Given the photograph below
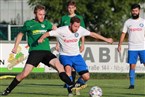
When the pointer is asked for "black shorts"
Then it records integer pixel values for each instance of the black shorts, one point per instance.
(35, 57)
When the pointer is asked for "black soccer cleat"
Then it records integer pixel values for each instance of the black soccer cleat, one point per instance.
(6, 92)
(131, 87)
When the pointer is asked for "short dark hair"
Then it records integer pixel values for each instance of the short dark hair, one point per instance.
(75, 19)
(38, 7)
(133, 6)
(71, 2)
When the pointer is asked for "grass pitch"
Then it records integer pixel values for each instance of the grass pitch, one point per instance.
(54, 88)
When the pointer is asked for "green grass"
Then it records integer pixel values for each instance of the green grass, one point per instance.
(54, 88)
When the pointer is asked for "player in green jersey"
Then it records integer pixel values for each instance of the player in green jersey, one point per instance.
(34, 29)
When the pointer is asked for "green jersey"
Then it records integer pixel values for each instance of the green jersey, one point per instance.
(34, 30)
(65, 20)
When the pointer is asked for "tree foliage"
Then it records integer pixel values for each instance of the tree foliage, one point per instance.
(105, 17)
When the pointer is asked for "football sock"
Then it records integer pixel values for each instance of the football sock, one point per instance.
(13, 84)
(74, 75)
(132, 76)
(65, 78)
(81, 81)
(70, 79)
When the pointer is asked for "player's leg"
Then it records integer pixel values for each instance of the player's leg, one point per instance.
(73, 74)
(26, 71)
(67, 63)
(142, 56)
(81, 67)
(51, 60)
(132, 59)
(33, 60)
(81, 82)
(68, 70)
(59, 67)
(132, 76)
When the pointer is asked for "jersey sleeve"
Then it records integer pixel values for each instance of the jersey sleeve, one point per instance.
(25, 27)
(84, 32)
(125, 28)
(54, 33)
(49, 26)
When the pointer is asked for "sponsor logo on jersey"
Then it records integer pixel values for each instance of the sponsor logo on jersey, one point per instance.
(35, 32)
(70, 40)
(135, 29)
(76, 34)
(42, 25)
(141, 24)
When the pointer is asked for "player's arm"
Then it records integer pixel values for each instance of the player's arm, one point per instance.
(97, 36)
(40, 40)
(82, 45)
(57, 47)
(17, 42)
(121, 41)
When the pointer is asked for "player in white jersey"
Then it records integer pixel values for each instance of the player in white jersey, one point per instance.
(68, 37)
(135, 27)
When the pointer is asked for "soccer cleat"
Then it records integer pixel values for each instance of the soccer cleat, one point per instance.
(131, 87)
(77, 92)
(70, 95)
(69, 88)
(6, 92)
(79, 87)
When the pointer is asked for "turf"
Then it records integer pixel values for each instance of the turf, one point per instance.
(54, 88)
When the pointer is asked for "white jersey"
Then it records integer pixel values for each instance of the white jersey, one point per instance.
(69, 41)
(136, 33)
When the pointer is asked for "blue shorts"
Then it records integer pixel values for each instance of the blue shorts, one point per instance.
(133, 56)
(77, 62)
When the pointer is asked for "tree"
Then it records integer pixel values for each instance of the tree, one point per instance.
(105, 17)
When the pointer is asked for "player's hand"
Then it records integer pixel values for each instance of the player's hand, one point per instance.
(119, 48)
(40, 40)
(14, 50)
(110, 40)
(54, 27)
(82, 47)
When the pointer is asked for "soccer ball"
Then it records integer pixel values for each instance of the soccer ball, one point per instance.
(95, 91)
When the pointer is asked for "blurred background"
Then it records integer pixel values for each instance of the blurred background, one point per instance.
(105, 17)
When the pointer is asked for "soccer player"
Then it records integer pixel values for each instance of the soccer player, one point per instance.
(65, 20)
(68, 37)
(135, 27)
(34, 29)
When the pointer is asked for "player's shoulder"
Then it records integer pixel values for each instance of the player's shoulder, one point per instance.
(29, 22)
(79, 16)
(63, 27)
(142, 19)
(64, 16)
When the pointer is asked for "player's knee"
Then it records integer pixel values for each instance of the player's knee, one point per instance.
(86, 77)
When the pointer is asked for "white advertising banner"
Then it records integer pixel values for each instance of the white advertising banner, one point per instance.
(10, 62)
(100, 57)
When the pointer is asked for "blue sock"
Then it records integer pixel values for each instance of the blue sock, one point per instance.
(71, 78)
(132, 76)
(81, 81)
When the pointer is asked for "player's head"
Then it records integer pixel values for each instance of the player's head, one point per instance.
(39, 12)
(71, 7)
(135, 11)
(74, 24)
